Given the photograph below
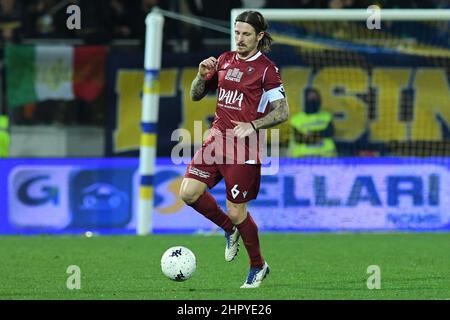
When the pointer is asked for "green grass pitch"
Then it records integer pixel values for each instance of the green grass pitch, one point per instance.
(303, 266)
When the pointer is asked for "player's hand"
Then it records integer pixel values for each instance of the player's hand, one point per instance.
(207, 66)
(242, 129)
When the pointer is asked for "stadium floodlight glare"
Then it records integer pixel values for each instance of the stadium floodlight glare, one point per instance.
(343, 15)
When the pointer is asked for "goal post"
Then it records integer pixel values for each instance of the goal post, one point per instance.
(149, 119)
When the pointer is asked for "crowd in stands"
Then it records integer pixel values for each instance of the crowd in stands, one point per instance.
(104, 20)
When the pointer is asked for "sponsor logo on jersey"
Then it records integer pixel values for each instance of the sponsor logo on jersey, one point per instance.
(250, 70)
(231, 97)
(199, 173)
(234, 75)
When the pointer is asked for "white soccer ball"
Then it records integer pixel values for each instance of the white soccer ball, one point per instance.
(178, 263)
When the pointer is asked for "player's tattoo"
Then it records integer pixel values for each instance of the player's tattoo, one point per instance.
(198, 88)
(279, 112)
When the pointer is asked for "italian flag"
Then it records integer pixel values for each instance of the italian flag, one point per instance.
(37, 73)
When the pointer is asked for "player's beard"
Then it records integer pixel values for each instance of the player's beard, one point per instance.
(244, 51)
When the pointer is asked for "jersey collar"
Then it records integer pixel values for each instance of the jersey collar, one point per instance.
(252, 58)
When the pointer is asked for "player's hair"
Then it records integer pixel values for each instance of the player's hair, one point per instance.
(257, 21)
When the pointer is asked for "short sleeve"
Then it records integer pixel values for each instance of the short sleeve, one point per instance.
(211, 82)
(212, 78)
(271, 78)
(272, 84)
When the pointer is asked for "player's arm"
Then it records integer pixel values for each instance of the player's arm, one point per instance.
(279, 113)
(198, 86)
(278, 106)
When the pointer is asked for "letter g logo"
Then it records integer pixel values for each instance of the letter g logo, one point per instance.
(46, 194)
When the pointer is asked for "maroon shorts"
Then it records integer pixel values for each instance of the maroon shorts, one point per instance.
(242, 181)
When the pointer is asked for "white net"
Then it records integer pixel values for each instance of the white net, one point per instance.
(387, 89)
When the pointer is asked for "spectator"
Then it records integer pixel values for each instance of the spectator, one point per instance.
(123, 14)
(96, 22)
(441, 4)
(298, 4)
(407, 4)
(253, 4)
(10, 20)
(214, 10)
(218, 10)
(39, 22)
(144, 8)
(345, 4)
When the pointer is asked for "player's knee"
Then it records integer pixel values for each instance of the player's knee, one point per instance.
(236, 212)
(189, 196)
(233, 215)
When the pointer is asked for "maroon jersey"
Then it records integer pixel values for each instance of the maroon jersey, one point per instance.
(244, 90)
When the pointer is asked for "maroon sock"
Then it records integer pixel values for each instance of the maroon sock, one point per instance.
(207, 206)
(249, 233)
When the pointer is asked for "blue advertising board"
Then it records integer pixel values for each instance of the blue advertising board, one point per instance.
(347, 194)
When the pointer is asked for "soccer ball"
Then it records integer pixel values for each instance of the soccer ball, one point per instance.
(178, 263)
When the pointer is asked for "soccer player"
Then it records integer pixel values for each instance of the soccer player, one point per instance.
(250, 97)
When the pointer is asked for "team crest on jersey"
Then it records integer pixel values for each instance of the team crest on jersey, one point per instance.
(234, 75)
(250, 70)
